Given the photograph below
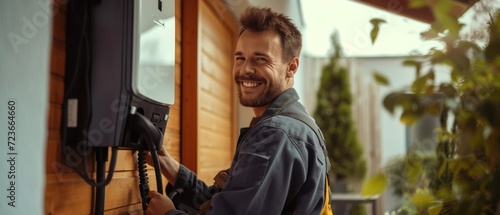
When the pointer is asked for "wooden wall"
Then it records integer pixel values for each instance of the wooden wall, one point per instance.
(209, 125)
(202, 125)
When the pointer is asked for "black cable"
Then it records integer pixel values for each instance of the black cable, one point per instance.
(156, 161)
(112, 165)
(152, 135)
(101, 158)
(143, 179)
(93, 183)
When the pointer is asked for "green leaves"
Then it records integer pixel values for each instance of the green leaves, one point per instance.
(399, 99)
(448, 90)
(414, 63)
(465, 175)
(429, 34)
(380, 79)
(374, 185)
(414, 105)
(423, 82)
(435, 209)
(408, 117)
(376, 27)
(441, 11)
(422, 199)
(416, 3)
(391, 101)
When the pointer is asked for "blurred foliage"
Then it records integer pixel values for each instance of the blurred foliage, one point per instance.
(376, 28)
(357, 209)
(409, 173)
(333, 115)
(380, 79)
(374, 185)
(412, 178)
(462, 177)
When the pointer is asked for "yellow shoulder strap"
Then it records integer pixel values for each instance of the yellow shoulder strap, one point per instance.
(327, 207)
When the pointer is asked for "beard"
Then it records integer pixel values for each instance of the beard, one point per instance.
(265, 98)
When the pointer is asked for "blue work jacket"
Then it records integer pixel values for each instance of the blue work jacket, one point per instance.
(279, 167)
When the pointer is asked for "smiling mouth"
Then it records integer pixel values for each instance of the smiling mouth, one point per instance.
(250, 84)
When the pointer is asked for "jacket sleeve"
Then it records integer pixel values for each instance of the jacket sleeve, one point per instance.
(190, 193)
(267, 171)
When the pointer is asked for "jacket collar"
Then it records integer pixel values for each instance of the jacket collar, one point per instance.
(284, 100)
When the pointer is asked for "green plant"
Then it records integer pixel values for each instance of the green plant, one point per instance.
(412, 178)
(468, 151)
(333, 116)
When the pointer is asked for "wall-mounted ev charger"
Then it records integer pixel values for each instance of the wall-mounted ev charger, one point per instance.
(119, 83)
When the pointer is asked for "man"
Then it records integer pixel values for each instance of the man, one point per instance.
(279, 166)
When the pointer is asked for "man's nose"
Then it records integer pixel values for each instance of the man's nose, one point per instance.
(247, 68)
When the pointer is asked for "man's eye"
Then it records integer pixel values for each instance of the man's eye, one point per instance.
(261, 59)
(240, 58)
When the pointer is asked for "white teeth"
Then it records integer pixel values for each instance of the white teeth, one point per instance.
(249, 84)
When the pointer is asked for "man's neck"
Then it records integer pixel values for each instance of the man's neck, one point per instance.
(254, 121)
(258, 111)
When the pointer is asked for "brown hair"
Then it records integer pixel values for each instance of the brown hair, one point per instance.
(262, 19)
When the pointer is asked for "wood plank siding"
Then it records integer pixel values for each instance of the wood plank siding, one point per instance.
(209, 126)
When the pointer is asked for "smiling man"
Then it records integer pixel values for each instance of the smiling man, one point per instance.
(280, 163)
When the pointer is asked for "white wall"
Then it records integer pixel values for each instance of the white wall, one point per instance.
(25, 35)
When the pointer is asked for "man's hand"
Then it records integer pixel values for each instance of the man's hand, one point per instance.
(220, 178)
(159, 204)
(162, 156)
(169, 167)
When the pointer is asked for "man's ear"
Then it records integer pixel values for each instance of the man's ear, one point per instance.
(293, 65)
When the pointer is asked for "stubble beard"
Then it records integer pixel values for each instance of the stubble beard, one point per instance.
(263, 99)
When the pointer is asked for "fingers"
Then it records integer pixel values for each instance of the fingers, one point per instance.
(149, 158)
(153, 193)
(220, 179)
(162, 150)
(162, 155)
(220, 176)
(159, 204)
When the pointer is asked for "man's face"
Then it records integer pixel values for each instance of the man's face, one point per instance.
(259, 71)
